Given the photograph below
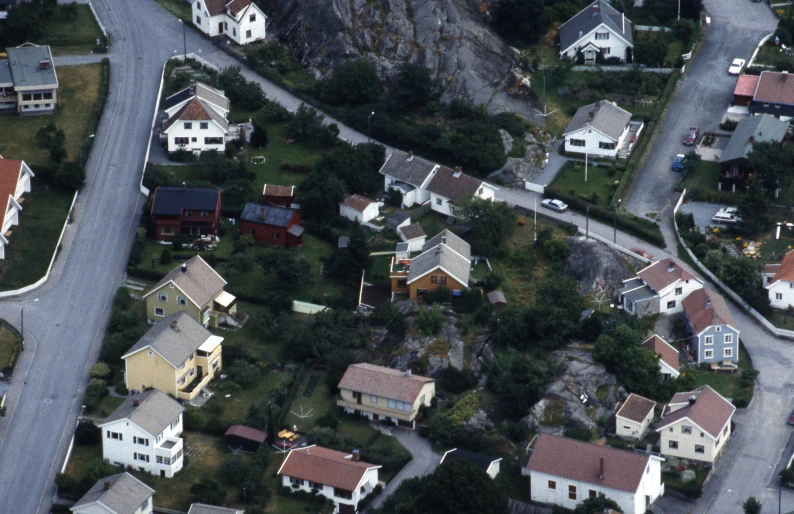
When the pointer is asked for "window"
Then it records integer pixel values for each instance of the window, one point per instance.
(215, 364)
(725, 430)
(198, 20)
(576, 142)
(778, 296)
(213, 140)
(47, 96)
(592, 493)
(188, 125)
(248, 34)
(225, 26)
(402, 283)
(175, 423)
(727, 352)
(251, 231)
(181, 300)
(717, 329)
(145, 505)
(708, 340)
(671, 305)
(708, 354)
(572, 492)
(699, 448)
(373, 398)
(166, 231)
(150, 353)
(438, 201)
(673, 445)
(162, 297)
(606, 50)
(115, 435)
(276, 236)
(679, 290)
(204, 125)
(252, 18)
(606, 146)
(159, 312)
(27, 97)
(552, 485)
(602, 36)
(626, 427)
(422, 400)
(140, 456)
(234, 31)
(316, 485)
(188, 213)
(295, 481)
(140, 440)
(193, 139)
(686, 429)
(438, 279)
(205, 214)
(341, 493)
(163, 460)
(728, 338)
(171, 285)
(181, 141)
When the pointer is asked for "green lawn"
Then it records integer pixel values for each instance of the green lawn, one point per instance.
(599, 185)
(378, 273)
(432, 223)
(178, 8)
(705, 176)
(235, 407)
(106, 407)
(71, 36)
(9, 344)
(367, 437)
(305, 410)
(81, 456)
(769, 54)
(32, 243)
(727, 384)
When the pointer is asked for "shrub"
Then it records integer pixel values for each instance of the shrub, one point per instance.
(233, 470)
(121, 389)
(729, 124)
(429, 321)
(87, 433)
(693, 489)
(99, 370)
(166, 257)
(580, 433)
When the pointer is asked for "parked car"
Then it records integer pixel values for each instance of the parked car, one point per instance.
(724, 218)
(555, 205)
(736, 67)
(691, 136)
(643, 252)
(678, 162)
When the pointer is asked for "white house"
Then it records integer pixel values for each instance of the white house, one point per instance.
(14, 183)
(116, 494)
(566, 472)
(214, 98)
(143, 432)
(448, 186)
(408, 175)
(634, 417)
(359, 208)
(240, 20)
(28, 80)
(203, 508)
(696, 425)
(659, 288)
(414, 235)
(196, 127)
(778, 280)
(598, 29)
(598, 130)
(485, 462)
(341, 477)
(668, 356)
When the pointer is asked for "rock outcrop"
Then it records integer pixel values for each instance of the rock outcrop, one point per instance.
(599, 269)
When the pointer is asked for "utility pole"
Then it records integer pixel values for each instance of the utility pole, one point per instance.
(369, 120)
(615, 222)
(586, 130)
(23, 327)
(535, 224)
(679, 9)
(587, 223)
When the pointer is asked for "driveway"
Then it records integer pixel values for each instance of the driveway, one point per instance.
(702, 97)
(703, 212)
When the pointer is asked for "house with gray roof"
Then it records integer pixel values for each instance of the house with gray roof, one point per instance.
(598, 130)
(599, 31)
(33, 84)
(735, 158)
(408, 174)
(215, 98)
(272, 224)
(116, 494)
(143, 433)
(203, 508)
(177, 356)
(445, 262)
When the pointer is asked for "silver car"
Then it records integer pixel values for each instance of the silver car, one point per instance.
(555, 205)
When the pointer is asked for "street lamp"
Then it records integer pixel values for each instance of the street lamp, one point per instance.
(184, 38)
(369, 124)
(91, 136)
(679, 9)
(22, 331)
(615, 222)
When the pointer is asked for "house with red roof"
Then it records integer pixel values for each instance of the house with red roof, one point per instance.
(242, 21)
(745, 90)
(696, 425)
(565, 472)
(715, 335)
(778, 280)
(634, 417)
(359, 208)
(385, 394)
(774, 95)
(339, 476)
(196, 127)
(14, 183)
(668, 356)
(658, 289)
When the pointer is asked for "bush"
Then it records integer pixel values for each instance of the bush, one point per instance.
(166, 257)
(121, 389)
(693, 489)
(729, 124)
(99, 370)
(87, 433)
(233, 470)
(430, 321)
(580, 433)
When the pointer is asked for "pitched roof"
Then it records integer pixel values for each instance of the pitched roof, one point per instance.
(497, 297)
(171, 201)
(357, 202)
(589, 18)
(276, 190)
(704, 308)
(761, 128)
(636, 408)
(196, 110)
(245, 432)
(668, 354)
(397, 218)
(175, 338)
(745, 85)
(235, 6)
(384, 382)
(608, 118)
(10, 170)
(480, 460)
(215, 7)
(710, 411)
(580, 461)
(5, 73)
(444, 257)
(771, 268)
(203, 508)
(155, 412)
(196, 279)
(785, 271)
(407, 168)
(450, 239)
(267, 215)
(413, 231)
(663, 273)
(124, 494)
(775, 87)
(453, 184)
(325, 466)
(26, 70)
(201, 91)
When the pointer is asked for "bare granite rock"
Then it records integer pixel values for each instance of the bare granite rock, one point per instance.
(599, 269)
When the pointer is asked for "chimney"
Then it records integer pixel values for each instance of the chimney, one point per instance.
(752, 139)
(595, 9)
(136, 402)
(410, 156)
(356, 456)
(692, 400)
(601, 468)
(262, 213)
(671, 265)
(184, 186)
(708, 303)
(444, 240)
(591, 115)
(44, 64)
(438, 249)
(107, 485)
(184, 267)
(580, 34)
(175, 326)
(407, 372)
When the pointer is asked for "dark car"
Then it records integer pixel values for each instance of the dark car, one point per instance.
(678, 162)
(691, 136)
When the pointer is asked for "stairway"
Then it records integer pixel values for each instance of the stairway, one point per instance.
(136, 288)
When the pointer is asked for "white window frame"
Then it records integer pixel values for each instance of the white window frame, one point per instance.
(778, 296)
(708, 340)
(163, 297)
(728, 339)
(373, 398)
(161, 312)
(181, 300)
(727, 352)
(708, 354)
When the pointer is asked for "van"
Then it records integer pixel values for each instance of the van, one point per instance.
(724, 217)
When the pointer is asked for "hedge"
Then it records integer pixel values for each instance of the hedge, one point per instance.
(146, 274)
(293, 390)
(569, 227)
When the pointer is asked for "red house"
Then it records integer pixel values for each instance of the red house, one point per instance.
(271, 224)
(280, 196)
(190, 212)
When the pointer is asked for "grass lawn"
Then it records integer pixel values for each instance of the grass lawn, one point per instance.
(599, 184)
(71, 36)
(378, 273)
(769, 54)
(314, 406)
(178, 8)
(8, 346)
(33, 241)
(78, 93)
(235, 407)
(81, 456)
(432, 223)
(106, 407)
(705, 176)
(727, 384)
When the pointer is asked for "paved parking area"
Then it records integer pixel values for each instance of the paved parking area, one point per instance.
(712, 153)
(703, 212)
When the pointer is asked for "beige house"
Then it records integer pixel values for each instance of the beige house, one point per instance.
(194, 288)
(380, 393)
(696, 425)
(634, 417)
(177, 356)
(116, 494)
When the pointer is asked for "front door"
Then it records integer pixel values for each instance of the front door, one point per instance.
(162, 473)
(220, 28)
(200, 372)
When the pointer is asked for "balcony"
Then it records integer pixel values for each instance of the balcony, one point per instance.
(379, 410)
(170, 448)
(192, 389)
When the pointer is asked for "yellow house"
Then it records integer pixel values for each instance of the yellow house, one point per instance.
(177, 356)
(386, 394)
(194, 288)
(445, 261)
(634, 417)
(696, 425)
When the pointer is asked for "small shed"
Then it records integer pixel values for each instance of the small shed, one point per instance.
(414, 235)
(359, 208)
(241, 437)
(398, 220)
(343, 242)
(402, 251)
(497, 299)
(281, 196)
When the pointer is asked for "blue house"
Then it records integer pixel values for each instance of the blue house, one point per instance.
(715, 338)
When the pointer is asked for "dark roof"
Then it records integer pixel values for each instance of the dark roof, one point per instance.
(267, 215)
(155, 411)
(175, 338)
(343, 242)
(591, 17)
(761, 128)
(407, 168)
(412, 231)
(178, 97)
(124, 494)
(171, 201)
(480, 460)
(374, 296)
(199, 90)
(397, 218)
(775, 87)
(249, 433)
(25, 62)
(453, 184)
(607, 118)
(5, 72)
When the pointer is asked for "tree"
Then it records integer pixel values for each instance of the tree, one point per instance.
(596, 505)
(248, 95)
(320, 195)
(520, 21)
(307, 126)
(771, 162)
(751, 506)
(233, 470)
(236, 193)
(415, 85)
(99, 370)
(259, 137)
(70, 176)
(242, 372)
(289, 267)
(347, 263)
(650, 49)
(208, 490)
(27, 21)
(491, 223)
(555, 320)
(430, 321)
(353, 82)
(754, 207)
(87, 433)
(517, 381)
(357, 166)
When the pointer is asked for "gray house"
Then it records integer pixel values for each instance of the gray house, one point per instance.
(735, 159)
(715, 336)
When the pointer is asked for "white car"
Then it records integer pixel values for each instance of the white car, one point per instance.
(736, 67)
(555, 205)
